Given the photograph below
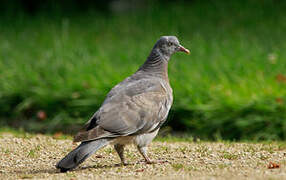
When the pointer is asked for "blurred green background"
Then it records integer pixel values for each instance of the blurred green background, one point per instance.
(58, 59)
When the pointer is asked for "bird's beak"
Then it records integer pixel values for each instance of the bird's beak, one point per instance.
(181, 48)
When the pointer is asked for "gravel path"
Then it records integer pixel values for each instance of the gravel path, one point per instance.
(34, 156)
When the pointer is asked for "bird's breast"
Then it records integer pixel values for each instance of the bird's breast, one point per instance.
(168, 91)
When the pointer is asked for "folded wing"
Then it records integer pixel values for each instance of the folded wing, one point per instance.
(130, 108)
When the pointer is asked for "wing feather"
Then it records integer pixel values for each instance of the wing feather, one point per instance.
(130, 108)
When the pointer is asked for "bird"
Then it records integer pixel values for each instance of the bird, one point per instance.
(132, 112)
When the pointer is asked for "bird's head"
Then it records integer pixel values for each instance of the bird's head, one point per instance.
(168, 45)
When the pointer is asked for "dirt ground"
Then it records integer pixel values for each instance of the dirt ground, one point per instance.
(34, 157)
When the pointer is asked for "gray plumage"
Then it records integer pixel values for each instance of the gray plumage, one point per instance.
(133, 110)
(79, 154)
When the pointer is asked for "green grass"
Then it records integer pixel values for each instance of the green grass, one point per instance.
(231, 87)
(34, 152)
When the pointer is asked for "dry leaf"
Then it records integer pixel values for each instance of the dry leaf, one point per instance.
(279, 100)
(273, 165)
(57, 135)
(281, 78)
(139, 170)
(41, 115)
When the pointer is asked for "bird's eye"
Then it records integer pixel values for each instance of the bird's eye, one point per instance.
(170, 44)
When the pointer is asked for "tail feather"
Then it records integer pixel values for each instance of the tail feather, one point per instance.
(81, 153)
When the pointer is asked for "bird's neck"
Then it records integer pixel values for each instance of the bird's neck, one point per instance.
(156, 65)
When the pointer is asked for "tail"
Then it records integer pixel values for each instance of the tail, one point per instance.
(81, 153)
